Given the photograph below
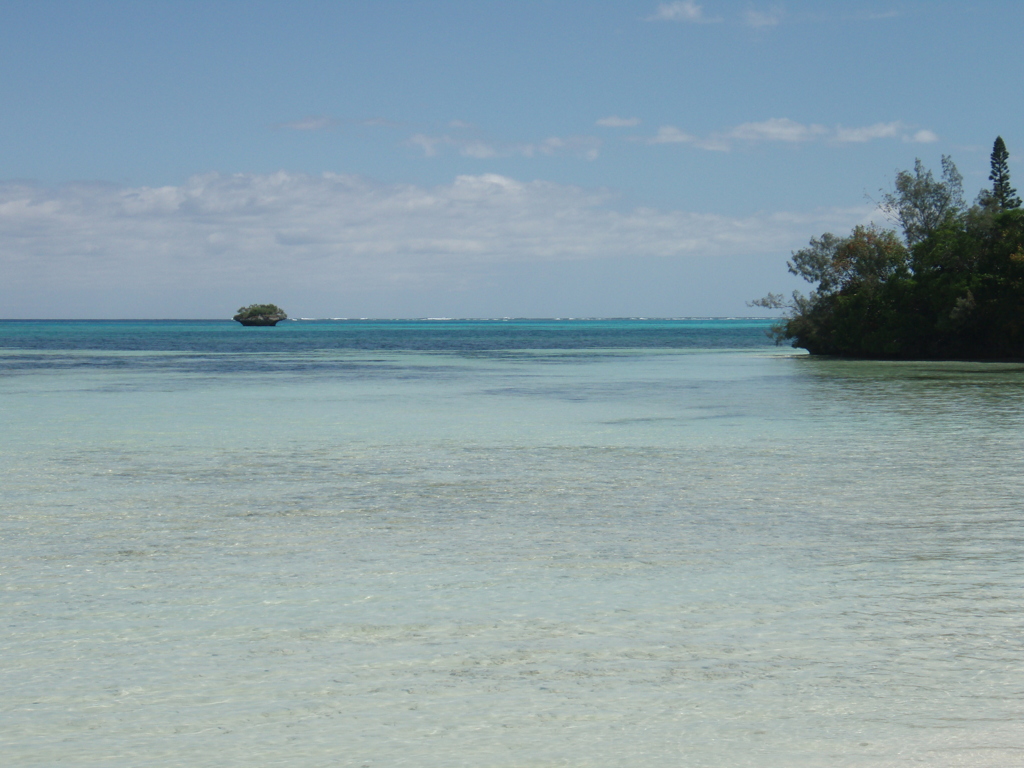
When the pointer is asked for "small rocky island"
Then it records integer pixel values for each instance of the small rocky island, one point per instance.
(260, 314)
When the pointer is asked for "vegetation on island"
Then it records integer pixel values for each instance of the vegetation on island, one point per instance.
(260, 314)
(951, 286)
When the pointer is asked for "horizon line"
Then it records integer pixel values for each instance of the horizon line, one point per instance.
(379, 319)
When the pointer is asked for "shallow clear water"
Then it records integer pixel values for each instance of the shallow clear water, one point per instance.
(580, 543)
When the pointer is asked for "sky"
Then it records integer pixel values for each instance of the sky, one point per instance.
(449, 158)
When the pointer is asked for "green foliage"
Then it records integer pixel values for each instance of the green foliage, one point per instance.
(865, 259)
(1002, 196)
(920, 203)
(953, 289)
(259, 310)
(860, 265)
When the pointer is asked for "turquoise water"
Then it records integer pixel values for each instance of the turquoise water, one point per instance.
(504, 543)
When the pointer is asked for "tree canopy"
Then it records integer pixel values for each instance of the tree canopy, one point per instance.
(951, 286)
(257, 310)
(920, 203)
(260, 314)
(1002, 196)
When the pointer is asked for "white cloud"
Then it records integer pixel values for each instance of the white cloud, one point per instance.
(681, 10)
(297, 235)
(690, 11)
(428, 144)
(587, 147)
(714, 143)
(614, 121)
(770, 18)
(669, 134)
(777, 129)
(896, 129)
(311, 123)
(868, 133)
(478, 149)
(782, 129)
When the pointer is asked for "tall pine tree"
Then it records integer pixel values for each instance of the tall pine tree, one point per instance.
(1003, 195)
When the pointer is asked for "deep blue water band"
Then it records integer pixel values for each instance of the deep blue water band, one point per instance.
(220, 336)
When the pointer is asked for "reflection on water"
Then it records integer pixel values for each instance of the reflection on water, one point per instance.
(653, 557)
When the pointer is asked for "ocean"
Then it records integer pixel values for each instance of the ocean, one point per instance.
(503, 543)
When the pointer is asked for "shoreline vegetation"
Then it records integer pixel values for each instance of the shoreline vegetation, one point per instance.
(949, 286)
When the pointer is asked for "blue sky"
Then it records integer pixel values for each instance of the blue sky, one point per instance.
(407, 159)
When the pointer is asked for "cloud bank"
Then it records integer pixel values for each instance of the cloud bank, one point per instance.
(219, 240)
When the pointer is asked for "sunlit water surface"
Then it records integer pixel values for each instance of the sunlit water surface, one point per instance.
(503, 544)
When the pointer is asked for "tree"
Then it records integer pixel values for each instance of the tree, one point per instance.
(920, 204)
(866, 258)
(840, 268)
(1002, 196)
(952, 288)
